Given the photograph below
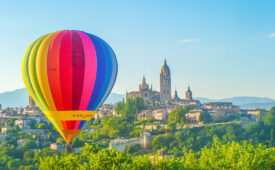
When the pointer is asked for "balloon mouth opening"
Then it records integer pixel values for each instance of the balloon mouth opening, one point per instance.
(69, 134)
(60, 119)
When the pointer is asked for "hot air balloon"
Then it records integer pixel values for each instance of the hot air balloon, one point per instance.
(69, 74)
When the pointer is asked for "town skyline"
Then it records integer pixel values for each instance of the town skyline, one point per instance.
(221, 49)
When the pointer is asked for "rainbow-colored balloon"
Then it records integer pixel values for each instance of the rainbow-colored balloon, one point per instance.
(69, 74)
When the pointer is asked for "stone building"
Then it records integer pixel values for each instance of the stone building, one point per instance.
(146, 139)
(160, 114)
(5, 129)
(165, 83)
(57, 146)
(104, 110)
(193, 116)
(31, 109)
(222, 105)
(121, 144)
(23, 123)
(148, 94)
(188, 101)
(146, 114)
(32, 104)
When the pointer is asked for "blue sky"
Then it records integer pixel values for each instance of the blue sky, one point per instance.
(221, 48)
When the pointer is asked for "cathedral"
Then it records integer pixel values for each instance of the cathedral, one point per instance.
(148, 94)
(151, 96)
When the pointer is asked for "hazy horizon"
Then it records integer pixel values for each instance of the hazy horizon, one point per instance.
(221, 49)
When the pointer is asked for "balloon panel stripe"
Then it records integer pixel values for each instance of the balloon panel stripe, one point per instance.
(26, 77)
(77, 123)
(90, 70)
(78, 70)
(100, 75)
(65, 65)
(53, 70)
(113, 76)
(33, 74)
(82, 124)
(108, 72)
(41, 70)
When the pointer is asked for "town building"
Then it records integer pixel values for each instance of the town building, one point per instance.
(5, 129)
(255, 114)
(188, 101)
(160, 114)
(104, 110)
(218, 115)
(121, 144)
(57, 146)
(31, 109)
(23, 123)
(222, 105)
(3, 137)
(146, 139)
(21, 142)
(193, 116)
(146, 114)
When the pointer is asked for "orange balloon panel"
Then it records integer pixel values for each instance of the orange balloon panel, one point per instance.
(69, 74)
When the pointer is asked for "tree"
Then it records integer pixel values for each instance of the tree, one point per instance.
(77, 143)
(131, 108)
(205, 117)
(232, 155)
(172, 126)
(16, 127)
(42, 126)
(30, 145)
(14, 163)
(28, 157)
(270, 118)
(178, 116)
(60, 140)
(119, 107)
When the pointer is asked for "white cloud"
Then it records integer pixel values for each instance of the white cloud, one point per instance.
(189, 40)
(272, 35)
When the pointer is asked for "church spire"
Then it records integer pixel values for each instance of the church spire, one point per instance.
(176, 95)
(143, 80)
(188, 94)
(188, 89)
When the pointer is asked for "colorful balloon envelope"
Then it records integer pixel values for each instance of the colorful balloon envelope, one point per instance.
(69, 74)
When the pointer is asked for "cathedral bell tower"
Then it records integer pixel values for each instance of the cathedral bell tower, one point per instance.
(31, 103)
(165, 83)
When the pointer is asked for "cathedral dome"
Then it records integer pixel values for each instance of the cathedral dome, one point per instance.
(165, 69)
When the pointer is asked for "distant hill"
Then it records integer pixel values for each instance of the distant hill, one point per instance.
(15, 98)
(19, 98)
(258, 105)
(114, 98)
(244, 102)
